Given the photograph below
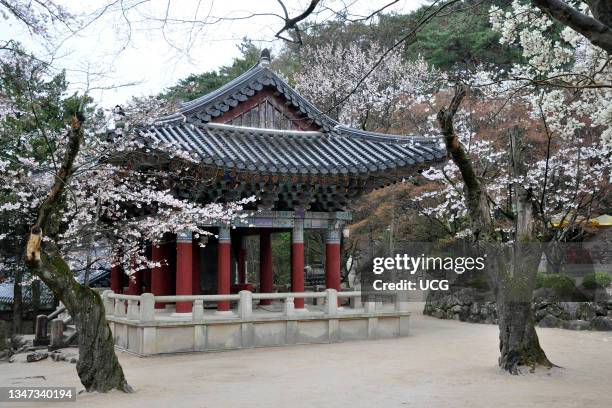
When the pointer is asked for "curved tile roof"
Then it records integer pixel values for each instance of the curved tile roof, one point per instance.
(340, 151)
(334, 149)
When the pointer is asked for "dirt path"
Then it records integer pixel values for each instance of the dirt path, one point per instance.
(442, 364)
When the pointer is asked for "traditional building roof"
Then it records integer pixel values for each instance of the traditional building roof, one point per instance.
(258, 123)
(256, 136)
(340, 151)
(258, 78)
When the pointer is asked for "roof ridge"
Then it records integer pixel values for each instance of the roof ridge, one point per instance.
(384, 136)
(248, 74)
(280, 132)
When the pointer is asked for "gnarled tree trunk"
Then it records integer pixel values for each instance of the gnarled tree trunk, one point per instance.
(513, 277)
(98, 367)
(518, 341)
(514, 272)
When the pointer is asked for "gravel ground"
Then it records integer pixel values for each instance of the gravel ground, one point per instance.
(441, 364)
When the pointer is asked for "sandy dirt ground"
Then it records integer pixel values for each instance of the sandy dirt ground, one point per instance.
(441, 364)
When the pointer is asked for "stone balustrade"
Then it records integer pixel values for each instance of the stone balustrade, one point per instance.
(141, 329)
(141, 308)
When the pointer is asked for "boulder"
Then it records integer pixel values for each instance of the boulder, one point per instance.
(558, 311)
(550, 321)
(450, 301)
(33, 357)
(465, 296)
(475, 309)
(456, 309)
(600, 309)
(602, 323)
(540, 313)
(576, 325)
(571, 310)
(587, 311)
(544, 295)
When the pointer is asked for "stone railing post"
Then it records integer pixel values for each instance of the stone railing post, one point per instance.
(369, 307)
(109, 307)
(401, 301)
(289, 307)
(245, 305)
(133, 311)
(119, 308)
(355, 302)
(40, 331)
(147, 307)
(197, 311)
(56, 333)
(331, 305)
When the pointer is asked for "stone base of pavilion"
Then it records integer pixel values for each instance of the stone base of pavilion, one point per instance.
(141, 329)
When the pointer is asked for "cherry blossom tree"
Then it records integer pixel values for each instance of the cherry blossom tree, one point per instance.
(565, 79)
(74, 185)
(565, 84)
(329, 74)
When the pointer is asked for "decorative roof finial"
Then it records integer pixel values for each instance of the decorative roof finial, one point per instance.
(264, 59)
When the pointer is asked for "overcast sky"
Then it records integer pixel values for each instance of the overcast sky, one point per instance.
(135, 46)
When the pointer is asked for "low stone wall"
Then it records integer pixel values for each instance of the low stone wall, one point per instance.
(469, 305)
(160, 337)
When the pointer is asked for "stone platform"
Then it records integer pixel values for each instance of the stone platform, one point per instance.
(141, 330)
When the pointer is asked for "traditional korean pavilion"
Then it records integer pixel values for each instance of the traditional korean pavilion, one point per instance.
(256, 136)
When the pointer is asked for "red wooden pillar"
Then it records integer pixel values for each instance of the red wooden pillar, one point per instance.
(266, 276)
(242, 261)
(224, 267)
(196, 288)
(332, 259)
(116, 272)
(161, 276)
(184, 269)
(297, 261)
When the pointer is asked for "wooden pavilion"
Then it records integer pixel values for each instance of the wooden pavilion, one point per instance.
(256, 136)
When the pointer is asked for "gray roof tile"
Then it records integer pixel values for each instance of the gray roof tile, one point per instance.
(293, 152)
(335, 149)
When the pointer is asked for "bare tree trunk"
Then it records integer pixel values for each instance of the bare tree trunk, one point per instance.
(475, 196)
(513, 278)
(98, 367)
(597, 29)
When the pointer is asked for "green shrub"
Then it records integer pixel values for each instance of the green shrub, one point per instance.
(563, 285)
(596, 280)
